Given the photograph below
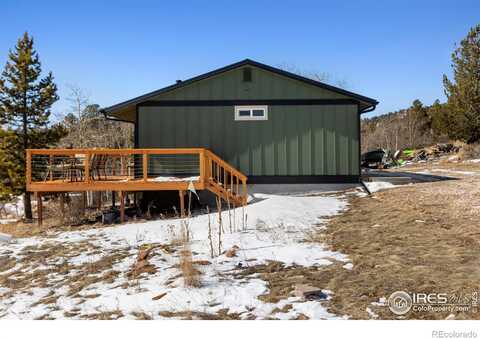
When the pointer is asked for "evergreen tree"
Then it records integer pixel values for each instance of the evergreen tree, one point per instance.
(441, 119)
(464, 92)
(10, 181)
(25, 107)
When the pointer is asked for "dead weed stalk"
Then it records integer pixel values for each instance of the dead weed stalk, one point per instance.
(191, 275)
(220, 226)
(210, 240)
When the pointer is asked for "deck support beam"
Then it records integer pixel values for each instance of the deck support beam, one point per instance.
(39, 209)
(62, 208)
(84, 203)
(181, 195)
(122, 206)
(98, 195)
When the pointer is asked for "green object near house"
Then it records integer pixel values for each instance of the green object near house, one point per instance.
(272, 125)
(407, 152)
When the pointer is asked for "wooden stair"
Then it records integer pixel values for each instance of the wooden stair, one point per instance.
(224, 180)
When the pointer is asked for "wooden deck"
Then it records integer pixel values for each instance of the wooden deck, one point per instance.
(130, 170)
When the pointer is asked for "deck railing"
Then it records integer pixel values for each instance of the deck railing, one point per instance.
(132, 169)
(226, 180)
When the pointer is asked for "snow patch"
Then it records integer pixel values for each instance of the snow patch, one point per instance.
(174, 178)
(460, 172)
(445, 172)
(371, 313)
(476, 160)
(377, 186)
(270, 228)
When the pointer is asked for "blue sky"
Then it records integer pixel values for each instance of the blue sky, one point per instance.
(393, 51)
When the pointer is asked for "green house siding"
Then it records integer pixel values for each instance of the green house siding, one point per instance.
(264, 85)
(311, 134)
(295, 140)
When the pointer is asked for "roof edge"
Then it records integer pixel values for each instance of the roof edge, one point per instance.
(232, 66)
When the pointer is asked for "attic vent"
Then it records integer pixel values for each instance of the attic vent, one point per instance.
(247, 74)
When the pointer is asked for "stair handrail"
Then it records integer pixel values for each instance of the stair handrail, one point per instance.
(226, 165)
(232, 170)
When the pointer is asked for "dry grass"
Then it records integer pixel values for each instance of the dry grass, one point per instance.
(222, 314)
(419, 238)
(142, 267)
(191, 275)
(442, 163)
(41, 266)
(469, 151)
(50, 227)
(21, 229)
(281, 280)
(140, 315)
(102, 315)
(181, 238)
(416, 238)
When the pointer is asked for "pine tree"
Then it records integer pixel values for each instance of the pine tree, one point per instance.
(464, 92)
(441, 119)
(10, 181)
(25, 107)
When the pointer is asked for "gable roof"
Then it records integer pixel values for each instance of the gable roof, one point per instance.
(370, 103)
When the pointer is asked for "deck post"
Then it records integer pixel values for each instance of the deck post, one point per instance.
(145, 166)
(181, 195)
(62, 207)
(50, 163)
(84, 202)
(28, 172)
(209, 169)
(122, 165)
(122, 206)
(244, 183)
(202, 166)
(87, 167)
(39, 209)
(97, 199)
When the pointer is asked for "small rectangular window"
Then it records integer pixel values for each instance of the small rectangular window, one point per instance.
(251, 113)
(247, 75)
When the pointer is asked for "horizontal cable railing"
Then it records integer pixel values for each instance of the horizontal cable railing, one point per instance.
(90, 165)
(55, 167)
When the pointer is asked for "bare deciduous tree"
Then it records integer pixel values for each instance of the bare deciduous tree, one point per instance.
(404, 128)
(314, 75)
(88, 128)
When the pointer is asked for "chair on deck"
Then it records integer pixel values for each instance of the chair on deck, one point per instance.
(98, 167)
(53, 168)
(73, 169)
